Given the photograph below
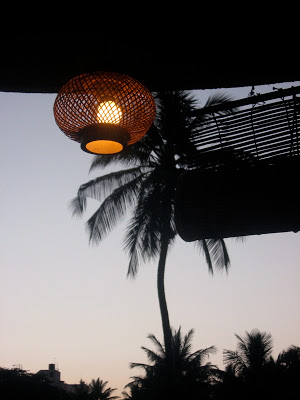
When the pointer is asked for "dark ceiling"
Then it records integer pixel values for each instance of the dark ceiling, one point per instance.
(43, 62)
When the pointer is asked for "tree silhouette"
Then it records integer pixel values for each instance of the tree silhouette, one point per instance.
(189, 377)
(252, 354)
(250, 370)
(97, 390)
(290, 358)
(17, 383)
(147, 185)
(288, 373)
(82, 391)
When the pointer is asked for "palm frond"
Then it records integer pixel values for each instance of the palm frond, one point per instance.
(174, 118)
(142, 240)
(215, 252)
(153, 357)
(77, 206)
(174, 102)
(242, 344)
(186, 344)
(157, 344)
(146, 367)
(234, 360)
(202, 245)
(220, 254)
(112, 209)
(188, 338)
(107, 392)
(204, 353)
(217, 98)
(104, 185)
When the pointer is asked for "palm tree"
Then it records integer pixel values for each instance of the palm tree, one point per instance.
(252, 355)
(147, 185)
(98, 391)
(190, 377)
(250, 370)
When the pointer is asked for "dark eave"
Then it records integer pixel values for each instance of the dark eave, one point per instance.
(43, 62)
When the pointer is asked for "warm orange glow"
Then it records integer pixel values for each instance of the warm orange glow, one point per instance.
(104, 106)
(104, 147)
(109, 113)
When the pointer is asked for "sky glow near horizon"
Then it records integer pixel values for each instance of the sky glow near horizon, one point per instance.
(63, 301)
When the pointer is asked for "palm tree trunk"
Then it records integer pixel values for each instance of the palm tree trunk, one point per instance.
(162, 300)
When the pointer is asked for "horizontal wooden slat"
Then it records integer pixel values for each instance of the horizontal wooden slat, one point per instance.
(261, 130)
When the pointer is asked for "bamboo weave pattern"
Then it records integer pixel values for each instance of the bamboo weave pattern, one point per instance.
(77, 104)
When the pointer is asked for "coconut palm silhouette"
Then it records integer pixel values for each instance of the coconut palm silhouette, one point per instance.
(147, 186)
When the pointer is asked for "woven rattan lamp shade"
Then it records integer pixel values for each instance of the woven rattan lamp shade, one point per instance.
(104, 111)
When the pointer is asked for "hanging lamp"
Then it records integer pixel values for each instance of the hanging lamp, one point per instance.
(104, 111)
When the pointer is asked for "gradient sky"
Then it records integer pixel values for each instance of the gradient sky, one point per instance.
(64, 301)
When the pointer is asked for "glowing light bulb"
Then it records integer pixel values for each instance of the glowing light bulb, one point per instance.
(109, 113)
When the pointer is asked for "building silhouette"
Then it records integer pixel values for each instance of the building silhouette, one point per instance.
(53, 376)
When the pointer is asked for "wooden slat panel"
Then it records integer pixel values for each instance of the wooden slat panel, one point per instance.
(263, 130)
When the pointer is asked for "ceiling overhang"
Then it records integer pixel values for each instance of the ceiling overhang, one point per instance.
(44, 62)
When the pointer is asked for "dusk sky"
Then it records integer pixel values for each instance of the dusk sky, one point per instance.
(63, 301)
